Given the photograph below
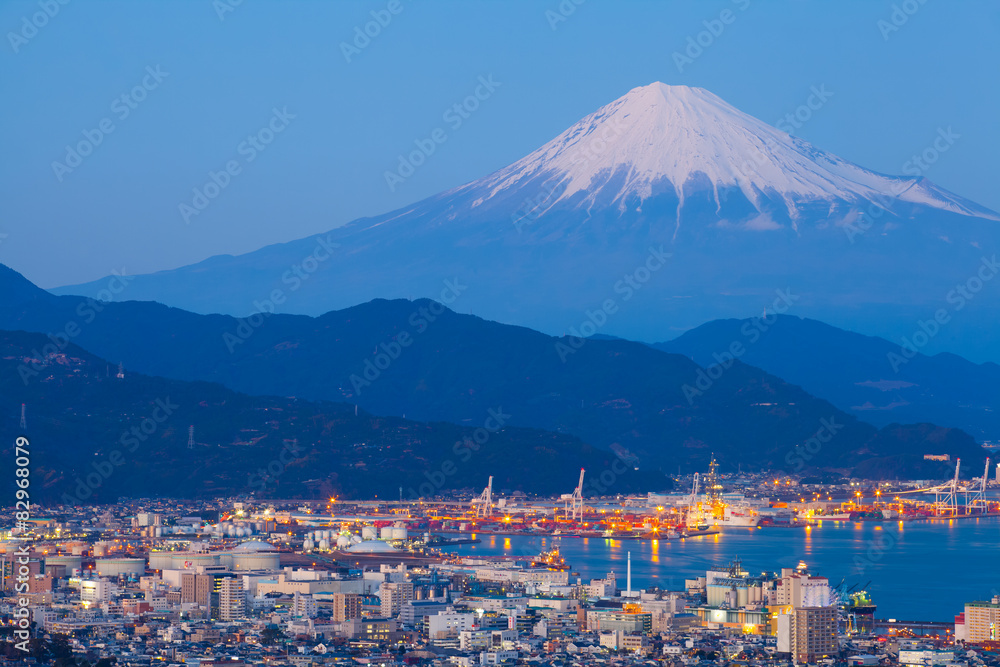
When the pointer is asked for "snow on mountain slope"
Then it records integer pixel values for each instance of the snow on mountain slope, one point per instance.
(742, 208)
(677, 139)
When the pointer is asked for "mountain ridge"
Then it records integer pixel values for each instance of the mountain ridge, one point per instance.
(858, 373)
(546, 238)
(421, 360)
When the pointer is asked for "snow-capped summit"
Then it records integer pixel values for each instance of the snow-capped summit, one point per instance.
(678, 140)
(726, 210)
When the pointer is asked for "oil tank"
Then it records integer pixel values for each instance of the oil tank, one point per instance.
(113, 567)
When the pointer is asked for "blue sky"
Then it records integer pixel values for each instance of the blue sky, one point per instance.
(223, 73)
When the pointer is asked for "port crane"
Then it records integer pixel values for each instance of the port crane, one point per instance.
(693, 499)
(946, 495)
(975, 498)
(483, 503)
(574, 501)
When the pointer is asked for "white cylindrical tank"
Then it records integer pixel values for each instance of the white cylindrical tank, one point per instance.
(387, 532)
(70, 562)
(401, 533)
(324, 545)
(368, 533)
(260, 560)
(343, 541)
(112, 567)
(308, 545)
(161, 560)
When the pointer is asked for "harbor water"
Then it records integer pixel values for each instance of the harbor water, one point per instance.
(922, 570)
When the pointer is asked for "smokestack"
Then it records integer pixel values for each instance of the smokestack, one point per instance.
(628, 577)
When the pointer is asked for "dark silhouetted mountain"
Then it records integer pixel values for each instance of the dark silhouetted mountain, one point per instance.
(875, 380)
(95, 437)
(741, 208)
(657, 411)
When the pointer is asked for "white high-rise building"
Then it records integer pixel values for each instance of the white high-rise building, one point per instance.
(232, 599)
(95, 591)
(303, 606)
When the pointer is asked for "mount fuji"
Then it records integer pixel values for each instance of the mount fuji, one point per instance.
(661, 210)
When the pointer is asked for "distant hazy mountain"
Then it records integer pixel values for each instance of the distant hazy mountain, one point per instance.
(869, 377)
(742, 210)
(657, 411)
(95, 437)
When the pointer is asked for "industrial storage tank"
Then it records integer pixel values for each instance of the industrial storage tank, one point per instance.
(343, 541)
(368, 533)
(387, 532)
(161, 560)
(324, 545)
(255, 561)
(70, 562)
(113, 567)
(399, 533)
(254, 555)
(308, 544)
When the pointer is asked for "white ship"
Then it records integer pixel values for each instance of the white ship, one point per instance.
(737, 516)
